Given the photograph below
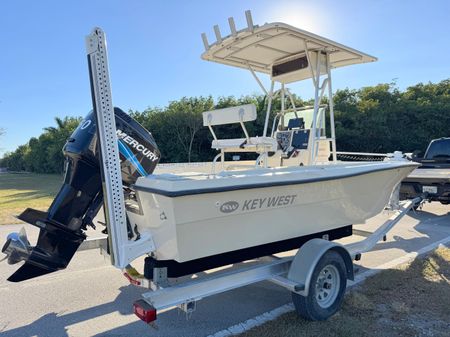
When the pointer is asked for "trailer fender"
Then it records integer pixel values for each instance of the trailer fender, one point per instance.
(308, 256)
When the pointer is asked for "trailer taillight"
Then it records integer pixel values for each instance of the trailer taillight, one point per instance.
(144, 311)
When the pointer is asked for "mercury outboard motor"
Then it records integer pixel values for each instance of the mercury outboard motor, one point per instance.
(80, 198)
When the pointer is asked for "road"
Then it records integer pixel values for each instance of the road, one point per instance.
(91, 298)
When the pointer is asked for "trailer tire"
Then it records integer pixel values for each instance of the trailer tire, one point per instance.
(326, 290)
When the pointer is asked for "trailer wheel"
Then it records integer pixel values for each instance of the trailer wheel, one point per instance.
(326, 290)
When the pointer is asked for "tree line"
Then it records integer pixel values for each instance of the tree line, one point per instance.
(42, 154)
(379, 118)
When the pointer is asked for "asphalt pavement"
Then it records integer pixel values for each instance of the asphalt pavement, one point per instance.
(92, 298)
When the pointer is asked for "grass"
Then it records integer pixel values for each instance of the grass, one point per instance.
(21, 190)
(411, 300)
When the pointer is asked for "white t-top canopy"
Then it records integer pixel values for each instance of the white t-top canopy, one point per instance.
(261, 47)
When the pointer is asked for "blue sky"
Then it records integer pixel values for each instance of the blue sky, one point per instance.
(155, 47)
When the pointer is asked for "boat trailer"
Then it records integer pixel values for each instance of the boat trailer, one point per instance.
(297, 273)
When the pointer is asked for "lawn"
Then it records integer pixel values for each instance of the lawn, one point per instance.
(21, 190)
(411, 300)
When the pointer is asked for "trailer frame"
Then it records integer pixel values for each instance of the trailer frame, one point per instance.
(293, 273)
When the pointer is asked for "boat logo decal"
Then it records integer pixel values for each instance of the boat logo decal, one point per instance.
(135, 144)
(268, 202)
(85, 124)
(229, 206)
(258, 203)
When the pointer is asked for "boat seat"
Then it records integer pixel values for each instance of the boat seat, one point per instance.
(234, 114)
(238, 114)
(254, 144)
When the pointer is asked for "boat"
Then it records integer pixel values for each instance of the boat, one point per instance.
(195, 216)
(227, 211)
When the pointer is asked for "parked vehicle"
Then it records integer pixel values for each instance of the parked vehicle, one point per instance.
(433, 176)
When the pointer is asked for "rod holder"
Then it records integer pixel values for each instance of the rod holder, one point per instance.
(232, 26)
(218, 35)
(205, 41)
(248, 16)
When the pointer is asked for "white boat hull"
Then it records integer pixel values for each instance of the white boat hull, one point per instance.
(202, 223)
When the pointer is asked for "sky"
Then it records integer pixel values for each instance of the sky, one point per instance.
(155, 46)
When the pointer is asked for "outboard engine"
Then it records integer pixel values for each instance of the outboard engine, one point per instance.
(80, 197)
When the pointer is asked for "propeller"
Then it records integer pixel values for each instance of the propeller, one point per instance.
(17, 247)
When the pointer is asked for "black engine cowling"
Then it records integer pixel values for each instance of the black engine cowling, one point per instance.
(80, 197)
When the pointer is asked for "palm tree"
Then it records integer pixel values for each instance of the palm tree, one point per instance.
(60, 125)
